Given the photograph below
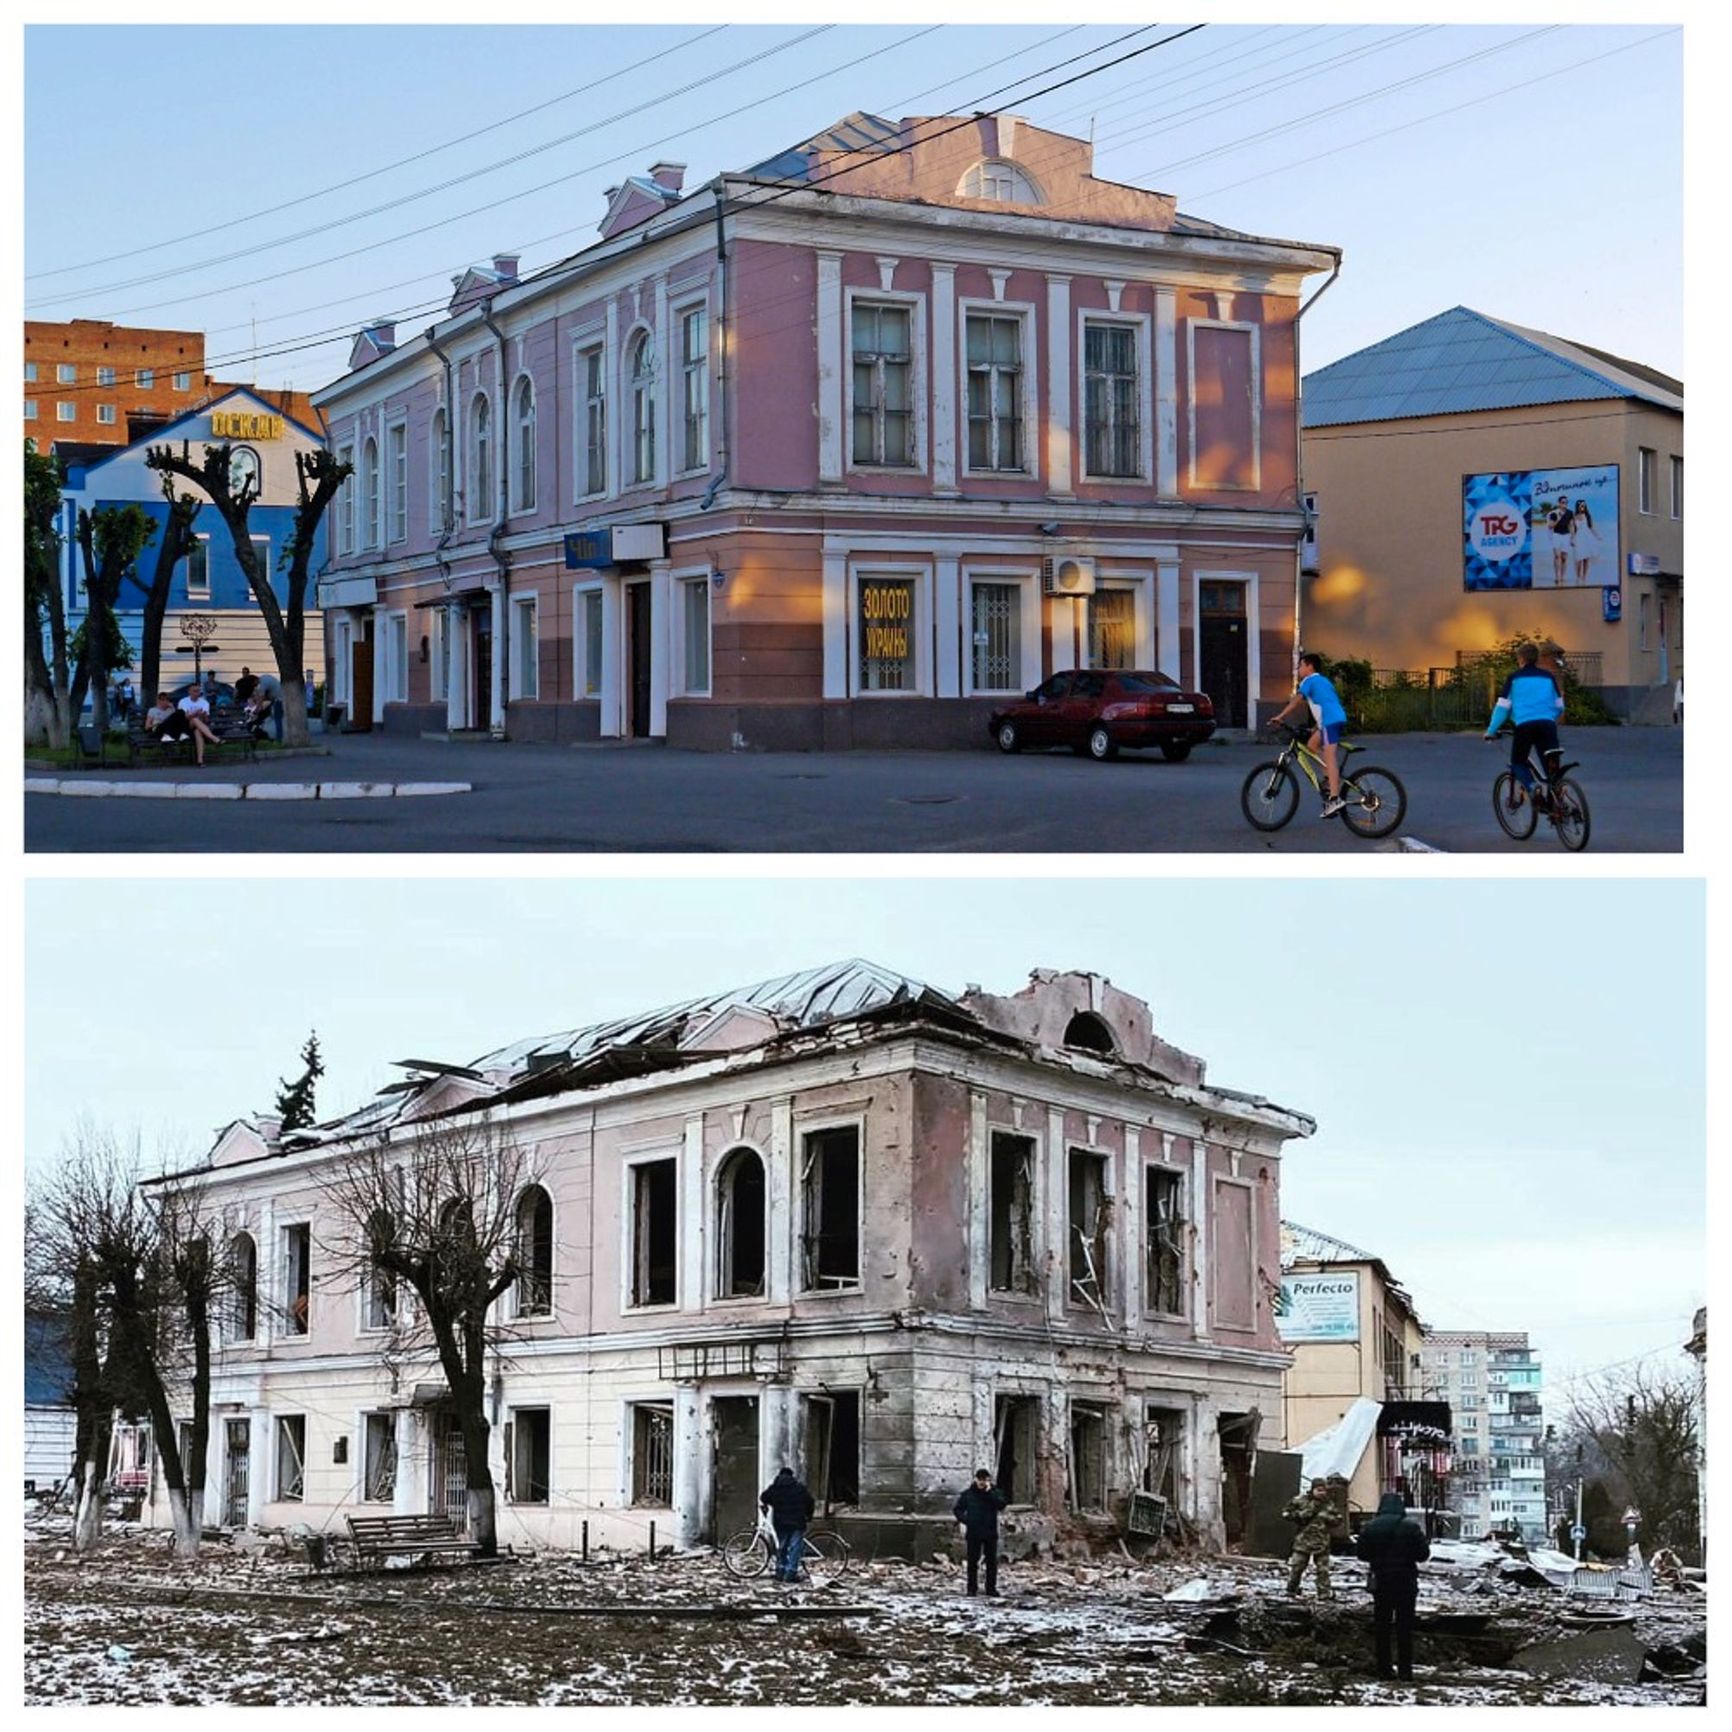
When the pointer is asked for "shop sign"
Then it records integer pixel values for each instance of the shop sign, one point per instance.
(1644, 565)
(1540, 529)
(1318, 1307)
(243, 424)
(594, 549)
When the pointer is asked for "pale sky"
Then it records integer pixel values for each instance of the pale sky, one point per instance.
(1516, 167)
(1508, 1076)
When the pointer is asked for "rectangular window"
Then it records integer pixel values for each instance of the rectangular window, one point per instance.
(145, 378)
(830, 1209)
(379, 1458)
(397, 663)
(183, 381)
(594, 459)
(886, 634)
(1112, 396)
(1010, 1254)
(105, 414)
(695, 389)
(1113, 628)
(589, 623)
(1677, 465)
(994, 392)
(833, 1447)
(65, 374)
(198, 570)
(525, 651)
(29, 408)
(105, 375)
(346, 503)
(291, 1457)
(262, 554)
(65, 411)
(528, 1455)
(883, 353)
(1644, 480)
(654, 1231)
(381, 1311)
(1088, 1456)
(652, 1454)
(297, 1276)
(438, 655)
(1163, 1433)
(1224, 406)
(696, 608)
(997, 637)
(397, 464)
(1090, 1214)
(1164, 1242)
(29, 372)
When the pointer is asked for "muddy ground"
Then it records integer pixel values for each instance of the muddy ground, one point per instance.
(128, 1625)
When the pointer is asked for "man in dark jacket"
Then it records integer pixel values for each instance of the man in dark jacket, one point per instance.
(977, 1509)
(790, 1506)
(1393, 1546)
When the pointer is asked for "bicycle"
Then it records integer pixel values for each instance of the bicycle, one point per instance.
(1376, 800)
(824, 1554)
(1556, 797)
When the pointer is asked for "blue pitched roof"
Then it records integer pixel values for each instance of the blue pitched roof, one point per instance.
(166, 433)
(1461, 360)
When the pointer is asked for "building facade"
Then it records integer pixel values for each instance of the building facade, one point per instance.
(1492, 1382)
(839, 1220)
(1405, 440)
(835, 451)
(209, 584)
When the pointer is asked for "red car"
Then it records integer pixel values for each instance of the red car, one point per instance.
(1097, 711)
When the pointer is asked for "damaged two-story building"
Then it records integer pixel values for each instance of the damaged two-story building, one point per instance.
(842, 1220)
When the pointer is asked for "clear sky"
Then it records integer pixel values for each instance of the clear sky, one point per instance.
(1508, 1076)
(1556, 165)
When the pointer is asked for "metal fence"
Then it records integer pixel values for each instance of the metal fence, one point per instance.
(1459, 696)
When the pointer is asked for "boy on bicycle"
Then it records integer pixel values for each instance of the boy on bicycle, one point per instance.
(1532, 699)
(1328, 722)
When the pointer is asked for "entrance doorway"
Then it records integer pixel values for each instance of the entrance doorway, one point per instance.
(1226, 652)
(637, 658)
(734, 1465)
(361, 680)
(237, 1456)
(482, 715)
(448, 1494)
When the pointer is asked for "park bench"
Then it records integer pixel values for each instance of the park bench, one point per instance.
(230, 730)
(380, 1537)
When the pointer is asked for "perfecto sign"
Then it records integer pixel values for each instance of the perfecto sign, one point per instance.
(1318, 1307)
(243, 424)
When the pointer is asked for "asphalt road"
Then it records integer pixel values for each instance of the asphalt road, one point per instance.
(634, 798)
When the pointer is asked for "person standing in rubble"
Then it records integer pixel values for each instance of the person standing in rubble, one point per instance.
(1318, 1522)
(977, 1509)
(790, 1505)
(1393, 1546)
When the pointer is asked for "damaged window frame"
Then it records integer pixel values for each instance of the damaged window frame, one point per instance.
(814, 1283)
(297, 1243)
(533, 1229)
(650, 1469)
(1163, 1453)
(728, 1285)
(241, 1312)
(1010, 1250)
(1099, 1414)
(379, 1289)
(1009, 1408)
(1088, 1257)
(641, 1292)
(821, 1431)
(529, 1468)
(289, 1481)
(378, 1462)
(1164, 1241)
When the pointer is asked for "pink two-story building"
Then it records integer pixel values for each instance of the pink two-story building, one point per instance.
(837, 451)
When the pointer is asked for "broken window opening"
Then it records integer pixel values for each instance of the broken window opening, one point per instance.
(1088, 1031)
(291, 1457)
(534, 1253)
(297, 1276)
(1090, 1217)
(1163, 1432)
(1011, 1205)
(528, 1449)
(654, 1232)
(242, 1313)
(381, 1283)
(1016, 1433)
(652, 1454)
(830, 1214)
(1164, 1241)
(833, 1447)
(740, 1199)
(1088, 1457)
(379, 1458)
(1237, 1433)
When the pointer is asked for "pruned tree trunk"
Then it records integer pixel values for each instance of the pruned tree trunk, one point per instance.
(87, 1522)
(186, 1530)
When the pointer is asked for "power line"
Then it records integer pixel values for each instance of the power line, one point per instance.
(387, 168)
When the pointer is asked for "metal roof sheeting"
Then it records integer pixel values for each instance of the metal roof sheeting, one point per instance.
(1461, 361)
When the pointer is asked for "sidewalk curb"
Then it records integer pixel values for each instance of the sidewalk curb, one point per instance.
(97, 790)
(1408, 845)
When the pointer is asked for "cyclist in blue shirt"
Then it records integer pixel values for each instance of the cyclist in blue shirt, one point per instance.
(1532, 699)
(1328, 718)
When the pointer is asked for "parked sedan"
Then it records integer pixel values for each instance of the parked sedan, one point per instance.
(1098, 711)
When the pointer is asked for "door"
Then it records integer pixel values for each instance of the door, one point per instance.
(237, 1453)
(637, 651)
(1080, 707)
(1225, 671)
(361, 679)
(1038, 724)
(449, 1492)
(482, 715)
(734, 1465)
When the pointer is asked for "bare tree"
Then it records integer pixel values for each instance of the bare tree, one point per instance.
(110, 538)
(177, 542)
(47, 671)
(1637, 1428)
(435, 1212)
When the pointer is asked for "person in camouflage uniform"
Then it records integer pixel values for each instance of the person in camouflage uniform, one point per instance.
(1318, 1521)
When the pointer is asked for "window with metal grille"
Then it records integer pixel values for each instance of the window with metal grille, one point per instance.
(1164, 1243)
(291, 1457)
(994, 392)
(886, 634)
(997, 637)
(1113, 445)
(1113, 628)
(883, 353)
(652, 1454)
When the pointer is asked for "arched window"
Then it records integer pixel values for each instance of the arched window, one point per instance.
(1002, 181)
(440, 457)
(740, 1235)
(524, 471)
(1086, 1030)
(534, 1253)
(480, 460)
(243, 1306)
(370, 493)
(643, 409)
(381, 1283)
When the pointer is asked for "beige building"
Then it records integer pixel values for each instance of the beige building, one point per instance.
(1391, 433)
(1355, 1336)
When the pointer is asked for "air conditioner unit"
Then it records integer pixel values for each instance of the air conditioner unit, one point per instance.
(1069, 574)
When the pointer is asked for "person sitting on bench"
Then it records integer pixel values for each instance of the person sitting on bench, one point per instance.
(190, 719)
